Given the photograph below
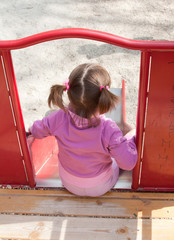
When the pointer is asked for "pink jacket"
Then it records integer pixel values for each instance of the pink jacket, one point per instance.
(86, 152)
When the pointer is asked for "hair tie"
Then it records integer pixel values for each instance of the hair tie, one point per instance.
(101, 87)
(66, 83)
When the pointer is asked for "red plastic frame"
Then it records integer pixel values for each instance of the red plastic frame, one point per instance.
(87, 34)
(146, 47)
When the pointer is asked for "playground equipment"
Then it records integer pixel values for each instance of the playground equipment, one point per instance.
(155, 115)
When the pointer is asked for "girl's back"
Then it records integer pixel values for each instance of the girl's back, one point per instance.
(87, 141)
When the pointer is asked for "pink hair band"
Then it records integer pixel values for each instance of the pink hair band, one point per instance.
(66, 83)
(101, 87)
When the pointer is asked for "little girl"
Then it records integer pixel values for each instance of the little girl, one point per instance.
(91, 147)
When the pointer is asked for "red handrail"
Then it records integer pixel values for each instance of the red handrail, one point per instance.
(87, 34)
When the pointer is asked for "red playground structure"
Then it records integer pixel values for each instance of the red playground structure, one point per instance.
(155, 116)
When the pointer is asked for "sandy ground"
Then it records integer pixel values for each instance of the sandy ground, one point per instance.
(40, 66)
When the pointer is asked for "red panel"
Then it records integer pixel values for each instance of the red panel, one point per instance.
(15, 164)
(158, 154)
(11, 165)
(144, 75)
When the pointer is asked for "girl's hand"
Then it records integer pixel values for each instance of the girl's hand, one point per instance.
(30, 140)
(28, 134)
(125, 128)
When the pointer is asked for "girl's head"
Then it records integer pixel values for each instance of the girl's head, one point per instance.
(88, 91)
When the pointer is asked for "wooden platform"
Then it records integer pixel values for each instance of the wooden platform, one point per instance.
(57, 214)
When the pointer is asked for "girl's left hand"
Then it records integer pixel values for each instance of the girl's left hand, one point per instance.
(30, 140)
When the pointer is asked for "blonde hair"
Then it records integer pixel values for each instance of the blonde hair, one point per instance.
(85, 95)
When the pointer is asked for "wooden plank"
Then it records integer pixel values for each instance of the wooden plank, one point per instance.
(111, 194)
(64, 204)
(72, 228)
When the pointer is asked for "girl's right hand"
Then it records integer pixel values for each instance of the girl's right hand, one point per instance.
(125, 128)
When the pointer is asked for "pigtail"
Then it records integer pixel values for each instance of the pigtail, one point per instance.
(56, 96)
(107, 101)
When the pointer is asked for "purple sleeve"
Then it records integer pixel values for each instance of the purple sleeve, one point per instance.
(40, 128)
(46, 126)
(122, 148)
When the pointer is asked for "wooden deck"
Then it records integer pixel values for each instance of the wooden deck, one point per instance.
(57, 214)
